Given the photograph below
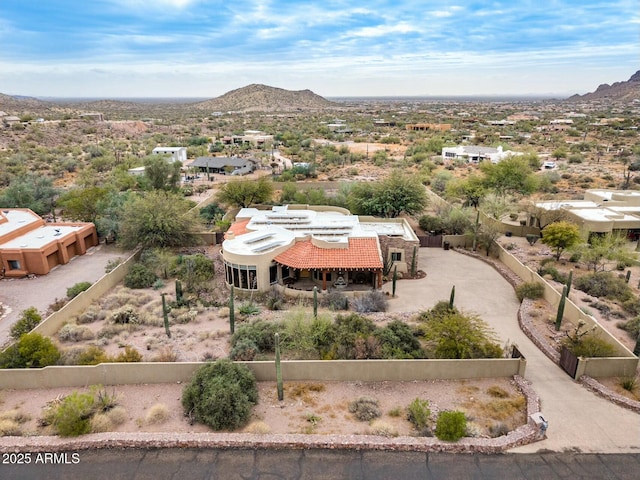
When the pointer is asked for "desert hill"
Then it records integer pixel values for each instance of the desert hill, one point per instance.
(262, 98)
(16, 105)
(619, 91)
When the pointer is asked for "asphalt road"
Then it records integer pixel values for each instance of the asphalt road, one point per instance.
(193, 464)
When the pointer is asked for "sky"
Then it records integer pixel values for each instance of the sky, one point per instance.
(336, 48)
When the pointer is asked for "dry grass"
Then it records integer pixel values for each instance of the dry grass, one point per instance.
(383, 429)
(117, 415)
(157, 414)
(166, 354)
(10, 428)
(101, 422)
(258, 427)
(304, 391)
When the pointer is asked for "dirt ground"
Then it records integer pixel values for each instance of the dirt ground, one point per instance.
(320, 408)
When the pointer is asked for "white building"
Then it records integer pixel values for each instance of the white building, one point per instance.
(476, 154)
(178, 154)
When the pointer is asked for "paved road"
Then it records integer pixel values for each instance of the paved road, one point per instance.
(18, 294)
(578, 419)
(193, 464)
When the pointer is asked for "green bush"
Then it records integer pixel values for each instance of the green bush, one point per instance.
(374, 301)
(631, 326)
(130, 355)
(605, 284)
(529, 290)
(451, 426)
(31, 351)
(221, 395)
(418, 414)
(335, 300)
(397, 340)
(139, 276)
(589, 346)
(553, 273)
(429, 223)
(244, 350)
(29, 319)
(365, 409)
(259, 332)
(77, 289)
(73, 416)
(92, 356)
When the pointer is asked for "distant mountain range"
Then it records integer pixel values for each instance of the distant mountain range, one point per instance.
(628, 91)
(262, 98)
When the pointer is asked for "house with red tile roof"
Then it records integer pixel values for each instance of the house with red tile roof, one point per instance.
(29, 245)
(302, 246)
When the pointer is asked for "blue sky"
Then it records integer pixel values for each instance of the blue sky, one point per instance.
(204, 48)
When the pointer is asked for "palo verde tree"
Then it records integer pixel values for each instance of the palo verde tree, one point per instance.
(161, 174)
(561, 236)
(513, 175)
(35, 192)
(243, 193)
(158, 219)
(83, 204)
(396, 194)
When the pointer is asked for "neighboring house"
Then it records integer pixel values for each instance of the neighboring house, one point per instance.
(438, 127)
(94, 116)
(178, 154)
(28, 245)
(476, 154)
(252, 137)
(224, 165)
(601, 211)
(305, 246)
(10, 119)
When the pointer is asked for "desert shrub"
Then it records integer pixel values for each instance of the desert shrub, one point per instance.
(157, 414)
(166, 354)
(244, 350)
(92, 355)
(32, 350)
(74, 333)
(374, 301)
(112, 264)
(297, 337)
(604, 284)
(322, 334)
(125, 315)
(73, 416)
(631, 326)
(497, 392)
(139, 276)
(430, 223)
(110, 331)
(261, 333)
(589, 345)
(498, 429)
(10, 428)
(221, 395)
(457, 335)
(351, 332)
(90, 315)
(365, 409)
(77, 289)
(29, 319)
(258, 427)
(335, 300)
(397, 340)
(57, 304)
(100, 422)
(531, 238)
(529, 290)
(451, 426)
(130, 355)
(632, 305)
(117, 415)
(553, 273)
(275, 299)
(383, 429)
(629, 383)
(193, 269)
(418, 414)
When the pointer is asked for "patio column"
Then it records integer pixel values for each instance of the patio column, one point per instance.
(379, 275)
(324, 280)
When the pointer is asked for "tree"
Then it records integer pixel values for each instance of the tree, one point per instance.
(451, 334)
(470, 190)
(396, 194)
(560, 236)
(157, 219)
(488, 233)
(511, 175)
(243, 193)
(603, 248)
(29, 319)
(83, 204)
(160, 173)
(30, 191)
(31, 351)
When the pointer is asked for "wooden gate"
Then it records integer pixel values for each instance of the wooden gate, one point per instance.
(433, 241)
(568, 362)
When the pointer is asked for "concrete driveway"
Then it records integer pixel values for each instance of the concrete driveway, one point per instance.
(578, 419)
(19, 294)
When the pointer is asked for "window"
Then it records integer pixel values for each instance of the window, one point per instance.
(396, 256)
(14, 265)
(273, 274)
(241, 276)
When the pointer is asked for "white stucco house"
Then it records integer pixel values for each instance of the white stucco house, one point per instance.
(476, 154)
(178, 154)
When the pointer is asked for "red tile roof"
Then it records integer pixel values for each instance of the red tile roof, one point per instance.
(363, 253)
(238, 228)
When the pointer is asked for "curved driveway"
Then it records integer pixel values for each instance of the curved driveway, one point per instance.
(578, 419)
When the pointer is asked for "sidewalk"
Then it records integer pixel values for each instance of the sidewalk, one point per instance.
(578, 419)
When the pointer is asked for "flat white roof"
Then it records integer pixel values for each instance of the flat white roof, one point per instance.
(604, 215)
(558, 204)
(40, 237)
(16, 219)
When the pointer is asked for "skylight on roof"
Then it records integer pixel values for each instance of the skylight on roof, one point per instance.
(264, 236)
(266, 247)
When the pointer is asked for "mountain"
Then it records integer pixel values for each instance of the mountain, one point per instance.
(15, 105)
(262, 98)
(628, 91)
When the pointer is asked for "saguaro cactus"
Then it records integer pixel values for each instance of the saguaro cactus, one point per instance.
(560, 313)
(232, 312)
(165, 315)
(279, 370)
(569, 280)
(628, 276)
(414, 262)
(393, 281)
(452, 297)
(178, 292)
(315, 302)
